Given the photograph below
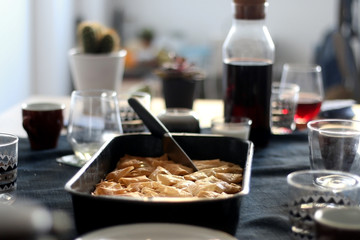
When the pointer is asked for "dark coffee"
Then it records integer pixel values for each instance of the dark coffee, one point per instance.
(338, 223)
(43, 123)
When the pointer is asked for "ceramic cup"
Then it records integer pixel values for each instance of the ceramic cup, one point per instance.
(337, 223)
(43, 123)
(238, 127)
(180, 120)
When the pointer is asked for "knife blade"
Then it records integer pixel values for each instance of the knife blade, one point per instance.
(170, 146)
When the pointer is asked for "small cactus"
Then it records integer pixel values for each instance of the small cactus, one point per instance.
(109, 42)
(96, 38)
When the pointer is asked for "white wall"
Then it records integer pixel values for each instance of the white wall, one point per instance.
(94, 10)
(296, 26)
(40, 32)
(53, 33)
(35, 38)
(15, 71)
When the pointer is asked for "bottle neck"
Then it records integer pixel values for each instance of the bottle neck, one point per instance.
(248, 23)
(249, 11)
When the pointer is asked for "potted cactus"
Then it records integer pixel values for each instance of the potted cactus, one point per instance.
(98, 61)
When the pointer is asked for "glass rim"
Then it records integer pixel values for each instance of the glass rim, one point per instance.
(305, 67)
(94, 93)
(321, 214)
(221, 120)
(44, 106)
(287, 86)
(355, 131)
(142, 96)
(290, 179)
(178, 112)
(12, 139)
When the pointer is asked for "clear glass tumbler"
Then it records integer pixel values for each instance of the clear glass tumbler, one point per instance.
(306, 196)
(94, 119)
(284, 100)
(334, 145)
(8, 167)
(131, 122)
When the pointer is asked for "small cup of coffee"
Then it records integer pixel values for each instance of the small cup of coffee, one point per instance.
(337, 223)
(43, 123)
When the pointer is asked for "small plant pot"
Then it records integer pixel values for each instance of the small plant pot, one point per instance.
(97, 71)
(179, 92)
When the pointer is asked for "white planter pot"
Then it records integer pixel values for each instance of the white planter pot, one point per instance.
(97, 71)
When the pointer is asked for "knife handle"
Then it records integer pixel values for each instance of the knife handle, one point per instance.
(151, 122)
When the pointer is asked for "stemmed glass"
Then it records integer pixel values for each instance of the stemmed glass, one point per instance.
(94, 119)
(311, 94)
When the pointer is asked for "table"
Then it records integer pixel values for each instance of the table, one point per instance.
(263, 214)
(41, 179)
(204, 109)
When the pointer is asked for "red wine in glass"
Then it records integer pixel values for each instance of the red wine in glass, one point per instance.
(309, 105)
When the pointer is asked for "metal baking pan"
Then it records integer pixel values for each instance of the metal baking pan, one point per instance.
(94, 212)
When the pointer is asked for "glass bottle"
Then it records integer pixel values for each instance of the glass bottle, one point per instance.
(248, 56)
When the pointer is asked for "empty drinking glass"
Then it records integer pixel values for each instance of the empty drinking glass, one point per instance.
(94, 119)
(8, 167)
(334, 145)
(131, 122)
(284, 99)
(306, 196)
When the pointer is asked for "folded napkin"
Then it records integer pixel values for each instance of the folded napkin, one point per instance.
(339, 108)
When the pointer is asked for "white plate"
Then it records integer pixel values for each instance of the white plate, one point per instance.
(156, 231)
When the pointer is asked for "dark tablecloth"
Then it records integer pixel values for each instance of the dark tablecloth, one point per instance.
(263, 212)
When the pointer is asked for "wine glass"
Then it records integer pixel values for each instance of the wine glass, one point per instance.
(94, 119)
(311, 94)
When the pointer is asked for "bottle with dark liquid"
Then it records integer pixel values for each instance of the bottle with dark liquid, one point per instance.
(248, 56)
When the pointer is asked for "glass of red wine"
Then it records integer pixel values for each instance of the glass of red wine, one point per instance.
(309, 79)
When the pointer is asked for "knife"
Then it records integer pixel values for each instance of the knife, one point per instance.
(170, 146)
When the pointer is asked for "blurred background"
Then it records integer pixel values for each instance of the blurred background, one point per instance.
(37, 35)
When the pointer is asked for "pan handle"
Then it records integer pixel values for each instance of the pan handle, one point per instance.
(151, 122)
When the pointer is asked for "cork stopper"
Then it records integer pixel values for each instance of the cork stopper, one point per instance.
(249, 9)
